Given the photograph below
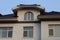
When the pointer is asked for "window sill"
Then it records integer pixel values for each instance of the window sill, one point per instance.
(28, 37)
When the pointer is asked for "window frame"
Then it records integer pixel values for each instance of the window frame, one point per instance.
(53, 31)
(7, 30)
(29, 16)
(27, 32)
(53, 25)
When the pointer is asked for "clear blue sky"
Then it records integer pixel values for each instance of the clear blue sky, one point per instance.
(7, 5)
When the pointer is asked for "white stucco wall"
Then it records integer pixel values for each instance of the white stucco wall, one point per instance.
(18, 31)
(21, 13)
(44, 30)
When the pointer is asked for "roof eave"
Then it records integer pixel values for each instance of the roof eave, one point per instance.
(49, 17)
(40, 8)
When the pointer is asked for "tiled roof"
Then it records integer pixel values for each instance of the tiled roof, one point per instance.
(52, 13)
(7, 16)
(50, 16)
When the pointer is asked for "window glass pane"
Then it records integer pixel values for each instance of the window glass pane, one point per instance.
(10, 28)
(28, 28)
(4, 28)
(50, 32)
(9, 33)
(32, 16)
(57, 31)
(25, 34)
(4, 33)
(50, 26)
(1, 28)
(30, 33)
(25, 17)
(0, 33)
(28, 16)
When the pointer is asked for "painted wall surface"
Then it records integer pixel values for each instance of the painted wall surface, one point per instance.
(45, 31)
(21, 14)
(18, 31)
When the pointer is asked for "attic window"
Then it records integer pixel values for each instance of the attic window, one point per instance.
(28, 16)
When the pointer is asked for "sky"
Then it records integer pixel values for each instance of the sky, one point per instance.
(49, 5)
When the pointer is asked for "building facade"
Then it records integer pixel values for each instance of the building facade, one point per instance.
(30, 22)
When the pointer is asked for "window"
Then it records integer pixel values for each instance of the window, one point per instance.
(50, 32)
(29, 16)
(6, 32)
(28, 32)
(54, 30)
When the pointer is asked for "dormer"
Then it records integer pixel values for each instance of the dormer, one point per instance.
(28, 12)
